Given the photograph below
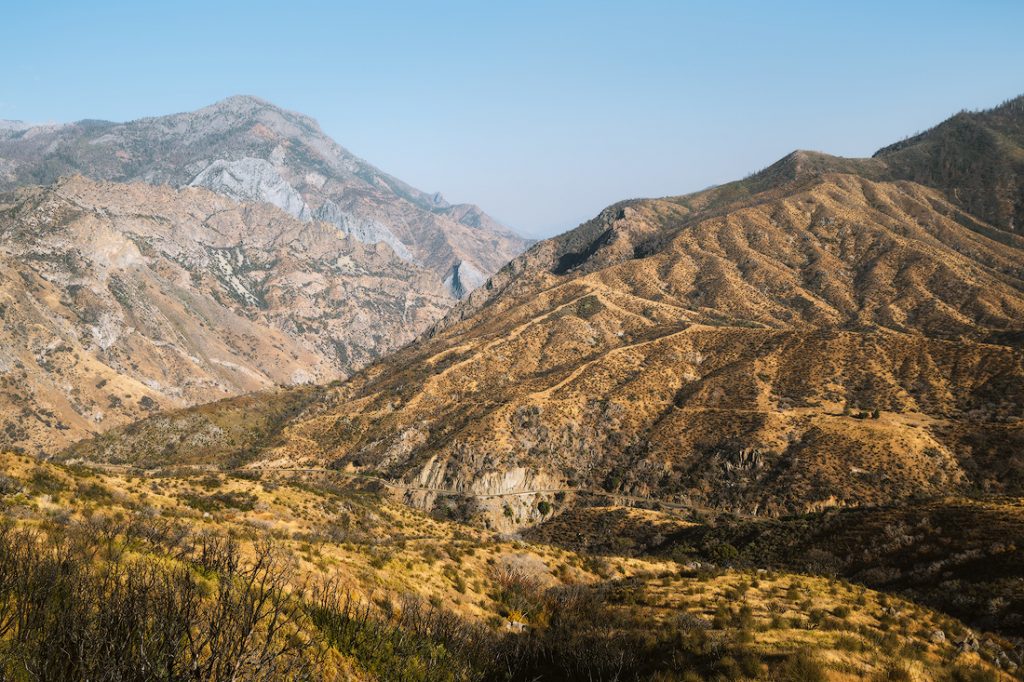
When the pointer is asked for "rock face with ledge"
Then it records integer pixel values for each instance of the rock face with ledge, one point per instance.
(250, 150)
(365, 230)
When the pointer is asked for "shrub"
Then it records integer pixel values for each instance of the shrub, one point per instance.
(971, 673)
(894, 671)
(67, 618)
(419, 643)
(97, 492)
(802, 666)
(210, 482)
(722, 552)
(46, 482)
(8, 485)
(243, 501)
(516, 591)
(847, 642)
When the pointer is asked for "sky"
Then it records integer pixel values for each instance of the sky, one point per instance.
(542, 113)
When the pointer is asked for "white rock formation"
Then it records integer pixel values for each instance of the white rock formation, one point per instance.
(365, 230)
(250, 179)
(462, 279)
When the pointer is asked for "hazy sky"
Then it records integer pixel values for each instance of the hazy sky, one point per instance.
(541, 112)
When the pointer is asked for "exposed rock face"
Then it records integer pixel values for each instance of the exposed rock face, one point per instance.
(462, 279)
(814, 336)
(117, 300)
(365, 230)
(251, 179)
(251, 150)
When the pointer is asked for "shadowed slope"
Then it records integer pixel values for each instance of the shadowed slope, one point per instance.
(977, 158)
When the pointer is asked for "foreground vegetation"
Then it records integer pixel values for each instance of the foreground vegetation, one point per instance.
(961, 556)
(202, 577)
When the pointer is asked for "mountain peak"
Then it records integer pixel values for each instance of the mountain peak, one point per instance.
(243, 100)
(243, 107)
(800, 161)
(247, 105)
(804, 163)
(240, 104)
(250, 149)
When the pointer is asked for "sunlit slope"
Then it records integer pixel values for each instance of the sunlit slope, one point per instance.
(734, 357)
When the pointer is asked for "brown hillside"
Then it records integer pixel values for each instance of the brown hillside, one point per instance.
(705, 354)
(977, 158)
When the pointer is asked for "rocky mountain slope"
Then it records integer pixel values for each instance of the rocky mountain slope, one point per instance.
(250, 150)
(824, 333)
(117, 300)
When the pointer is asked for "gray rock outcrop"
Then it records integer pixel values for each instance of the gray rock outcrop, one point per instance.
(252, 179)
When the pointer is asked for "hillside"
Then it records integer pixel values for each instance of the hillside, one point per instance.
(119, 300)
(250, 150)
(959, 555)
(977, 158)
(655, 447)
(700, 355)
(814, 336)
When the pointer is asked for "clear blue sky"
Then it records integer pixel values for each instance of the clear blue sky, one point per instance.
(541, 112)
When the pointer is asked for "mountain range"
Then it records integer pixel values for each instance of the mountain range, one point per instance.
(250, 150)
(122, 299)
(171, 261)
(828, 332)
(276, 415)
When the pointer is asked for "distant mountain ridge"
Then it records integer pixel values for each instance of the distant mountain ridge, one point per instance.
(250, 150)
(913, 159)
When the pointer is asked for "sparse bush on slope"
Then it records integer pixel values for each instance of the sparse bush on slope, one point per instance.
(66, 616)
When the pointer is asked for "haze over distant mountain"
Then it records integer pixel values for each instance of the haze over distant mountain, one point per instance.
(827, 332)
(250, 150)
